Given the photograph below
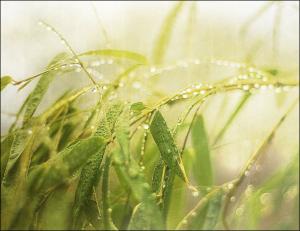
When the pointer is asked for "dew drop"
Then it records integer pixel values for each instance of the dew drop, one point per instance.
(195, 194)
(169, 150)
(185, 96)
(29, 131)
(153, 69)
(202, 92)
(247, 173)
(265, 198)
(246, 87)
(184, 222)
(94, 89)
(146, 126)
(239, 211)
(109, 210)
(230, 186)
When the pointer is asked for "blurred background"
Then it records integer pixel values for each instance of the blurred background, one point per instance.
(253, 32)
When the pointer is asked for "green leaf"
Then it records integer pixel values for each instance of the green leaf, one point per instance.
(108, 224)
(123, 54)
(233, 115)
(145, 217)
(164, 37)
(211, 204)
(5, 80)
(157, 175)
(137, 108)
(35, 97)
(166, 145)
(202, 165)
(57, 169)
(90, 174)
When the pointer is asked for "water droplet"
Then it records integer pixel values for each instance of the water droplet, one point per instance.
(184, 222)
(256, 85)
(109, 210)
(94, 89)
(202, 92)
(29, 131)
(146, 126)
(63, 41)
(110, 61)
(185, 96)
(258, 167)
(136, 85)
(232, 199)
(247, 173)
(153, 69)
(92, 127)
(133, 173)
(239, 211)
(246, 87)
(169, 150)
(265, 198)
(195, 194)
(142, 168)
(230, 186)
(249, 190)
(198, 86)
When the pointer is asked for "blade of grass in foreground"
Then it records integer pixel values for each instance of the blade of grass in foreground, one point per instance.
(164, 37)
(90, 174)
(166, 145)
(147, 215)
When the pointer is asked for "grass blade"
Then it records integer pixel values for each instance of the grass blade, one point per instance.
(166, 145)
(202, 165)
(164, 37)
(39, 91)
(122, 54)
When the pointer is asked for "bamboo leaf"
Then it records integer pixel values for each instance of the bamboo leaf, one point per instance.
(5, 80)
(39, 91)
(123, 54)
(108, 224)
(57, 169)
(202, 165)
(166, 145)
(212, 204)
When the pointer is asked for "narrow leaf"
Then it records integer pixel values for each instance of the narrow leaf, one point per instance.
(5, 80)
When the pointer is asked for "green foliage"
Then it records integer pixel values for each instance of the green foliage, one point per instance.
(118, 154)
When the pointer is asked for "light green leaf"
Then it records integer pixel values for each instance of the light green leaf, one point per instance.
(35, 97)
(202, 165)
(5, 80)
(166, 145)
(57, 169)
(164, 37)
(123, 54)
